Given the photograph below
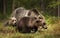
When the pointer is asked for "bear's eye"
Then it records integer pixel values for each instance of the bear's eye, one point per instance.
(12, 20)
(15, 20)
(35, 18)
(40, 18)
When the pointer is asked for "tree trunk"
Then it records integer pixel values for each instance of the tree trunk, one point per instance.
(58, 8)
(13, 5)
(42, 5)
(4, 6)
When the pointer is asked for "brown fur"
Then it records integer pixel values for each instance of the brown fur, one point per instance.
(26, 24)
(31, 22)
(38, 17)
(40, 21)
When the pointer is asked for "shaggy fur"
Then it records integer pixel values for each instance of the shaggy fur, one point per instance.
(26, 24)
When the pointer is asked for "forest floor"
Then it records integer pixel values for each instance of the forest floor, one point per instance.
(53, 31)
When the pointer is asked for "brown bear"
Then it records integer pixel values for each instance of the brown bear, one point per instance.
(11, 22)
(27, 20)
(31, 22)
(40, 21)
(26, 25)
(39, 18)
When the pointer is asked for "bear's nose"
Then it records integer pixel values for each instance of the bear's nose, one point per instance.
(44, 23)
(37, 21)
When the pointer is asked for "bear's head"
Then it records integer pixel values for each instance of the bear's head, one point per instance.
(12, 20)
(40, 21)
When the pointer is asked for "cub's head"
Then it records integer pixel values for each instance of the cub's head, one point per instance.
(12, 21)
(40, 21)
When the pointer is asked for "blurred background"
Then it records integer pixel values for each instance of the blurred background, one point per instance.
(49, 8)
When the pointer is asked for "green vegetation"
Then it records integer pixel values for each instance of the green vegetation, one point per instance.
(53, 30)
(49, 8)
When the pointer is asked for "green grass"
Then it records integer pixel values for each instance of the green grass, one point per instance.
(53, 31)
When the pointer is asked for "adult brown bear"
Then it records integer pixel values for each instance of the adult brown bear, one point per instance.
(28, 20)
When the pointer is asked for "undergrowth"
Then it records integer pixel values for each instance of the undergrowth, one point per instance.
(53, 31)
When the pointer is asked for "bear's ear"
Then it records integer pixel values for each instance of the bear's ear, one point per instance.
(34, 10)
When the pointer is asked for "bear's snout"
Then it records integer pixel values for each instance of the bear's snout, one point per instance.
(38, 21)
